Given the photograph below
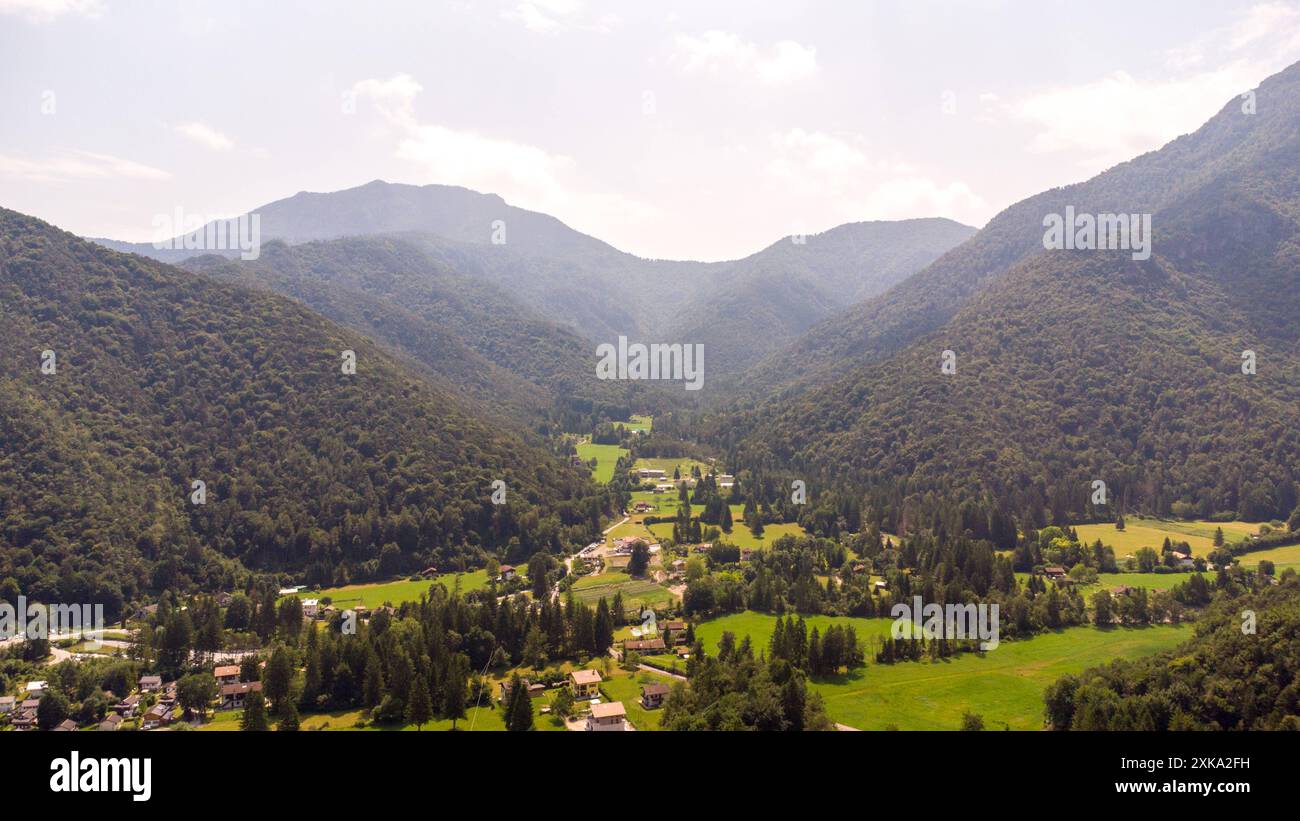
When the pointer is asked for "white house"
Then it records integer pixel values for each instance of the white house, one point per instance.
(607, 717)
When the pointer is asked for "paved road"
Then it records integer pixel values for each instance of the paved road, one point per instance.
(844, 728)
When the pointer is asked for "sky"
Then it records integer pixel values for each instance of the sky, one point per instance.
(693, 131)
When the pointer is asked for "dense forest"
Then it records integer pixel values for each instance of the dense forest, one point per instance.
(1240, 672)
(158, 378)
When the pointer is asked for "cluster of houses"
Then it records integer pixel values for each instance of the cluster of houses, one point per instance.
(664, 484)
(612, 715)
(151, 690)
(600, 716)
(623, 546)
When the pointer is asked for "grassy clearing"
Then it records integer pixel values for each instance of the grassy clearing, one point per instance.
(640, 422)
(740, 535)
(759, 627)
(1005, 685)
(606, 457)
(636, 592)
(1281, 557)
(1139, 533)
(396, 592)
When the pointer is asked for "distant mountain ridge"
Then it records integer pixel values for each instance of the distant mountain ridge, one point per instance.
(601, 292)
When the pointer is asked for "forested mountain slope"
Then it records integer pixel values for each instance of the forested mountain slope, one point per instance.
(1162, 181)
(466, 331)
(163, 377)
(1074, 366)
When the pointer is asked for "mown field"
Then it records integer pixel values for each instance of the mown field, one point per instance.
(1005, 685)
(1139, 533)
(636, 592)
(740, 534)
(640, 423)
(606, 457)
(1282, 557)
(395, 592)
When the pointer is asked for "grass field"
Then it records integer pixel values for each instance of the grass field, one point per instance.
(759, 626)
(740, 535)
(1151, 581)
(374, 595)
(606, 457)
(664, 504)
(636, 592)
(1005, 685)
(640, 422)
(1283, 557)
(1138, 533)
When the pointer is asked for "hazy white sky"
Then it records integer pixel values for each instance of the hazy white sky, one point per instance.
(704, 131)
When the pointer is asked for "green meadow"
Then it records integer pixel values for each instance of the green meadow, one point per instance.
(1282, 557)
(740, 534)
(606, 457)
(640, 423)
(636, 592)
(759, 627)
(1140, 532)
(396, 592)
(1005, 685)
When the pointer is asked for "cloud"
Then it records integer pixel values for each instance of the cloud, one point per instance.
(394, 97)
(555, 16)
(47, 11)
(716, 52)
(486, 163)
(526, 175)
(206, 136)
(1114, 117)
(814, 162)
(838, 173)
(77, 165)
